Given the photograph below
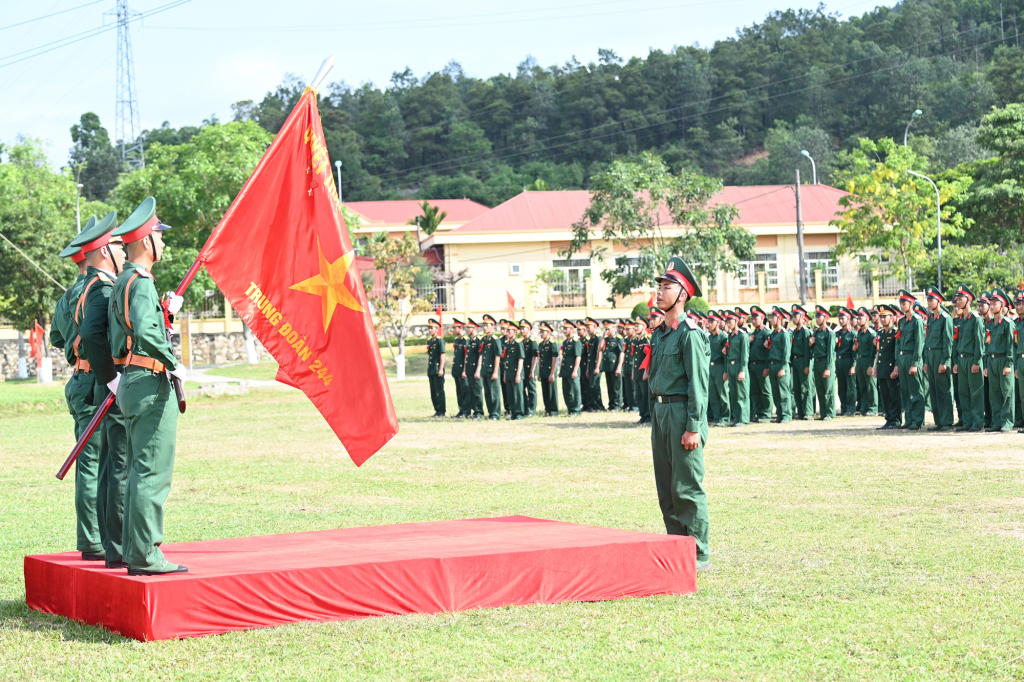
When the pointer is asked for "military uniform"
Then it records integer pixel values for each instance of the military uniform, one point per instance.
(800, 356)
(938, 359)
(866, 350)
(958, 320)
(888, 388)
(1018, 350)
(680, 357)
(969, 361)
(611, 366)
(760, 385)
(475, 384)
(779, 349)
(641, 352)
(909, 349)
(628, 394)
(505, 399)
(572, 349)
(547, 351)
(435, 372)
(846, 382)
(999, 348)
(719, 408)
(594, 368)
(490, 355)
(531, 353)
(736, 358)
(514, 357)
(459, 352)
(823, 355)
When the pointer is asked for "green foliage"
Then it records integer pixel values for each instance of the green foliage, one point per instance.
(979, 267)
(639, 310)
(891, 211)
(430, 220)
(640, 205)
(93, 160)
(699, 304)
(398, 299)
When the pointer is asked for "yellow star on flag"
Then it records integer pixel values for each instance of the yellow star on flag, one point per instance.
(329, 284)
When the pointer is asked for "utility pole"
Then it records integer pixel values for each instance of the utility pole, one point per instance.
(337, 164)
(800, 243)
(127, 124)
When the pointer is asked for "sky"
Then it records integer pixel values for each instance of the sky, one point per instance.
(194, 58)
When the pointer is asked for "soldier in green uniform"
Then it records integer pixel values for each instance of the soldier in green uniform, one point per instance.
(514, 357)
(737, 355)
(459, 348)
(803, 385)
(680, 358)
(823, 355)
(626, 331)
(986, 317)
(594, 365)
(938, 360)
(719, 409)
(866, 351)
(760, 383)
(531, 358)
(999, 347)
(641, 351)
(78, 393)
(1018, 350)
(506, 400)
(780, 347)
(435, 366)
(137, 332)
(909, 362)
(846, 382)
(886, 370)
(612, 357)
(958, 320)
(922, 313)
(474, 350)
(488, 366)
(572, 356)
(581, 334)
(547, 353)
(104, 257)
(969, 361)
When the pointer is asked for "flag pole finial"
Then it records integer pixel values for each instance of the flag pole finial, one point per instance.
(325, 69)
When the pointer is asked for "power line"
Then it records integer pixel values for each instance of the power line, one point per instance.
(35, 264)
(47, 16)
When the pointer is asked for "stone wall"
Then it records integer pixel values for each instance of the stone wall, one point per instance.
(9, 360)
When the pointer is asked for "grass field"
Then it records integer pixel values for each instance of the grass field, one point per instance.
(838, 553)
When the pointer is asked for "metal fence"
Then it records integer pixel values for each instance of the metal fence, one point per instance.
(561, 295)
(439, 294)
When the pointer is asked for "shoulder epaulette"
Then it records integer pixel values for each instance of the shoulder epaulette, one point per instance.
(691, 324)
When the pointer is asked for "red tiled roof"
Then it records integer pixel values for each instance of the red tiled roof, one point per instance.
(400, 212)
(556, 211)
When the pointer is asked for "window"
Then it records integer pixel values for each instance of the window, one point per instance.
(822, 260)
(766, 263)
(515, 269)
(575, 269)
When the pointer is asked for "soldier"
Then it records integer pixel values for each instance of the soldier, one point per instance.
(655, 319)
(823, 355)
(803, 387)
(627, 331)
(999, 343)
(581, 334)
(641, 351)
(612, 357)
(1018, 349)
(958, 320)
(594, 365)
(435, 366)
(986, 316)
(886, 370)
(138, 333)
(922, 313)
(866, 350)
(737, 355)
(760, 384)
(572, 356)
(531, 359)
(547, 352)
(474, 351)
(909, 362)
(969, 361)
(459, 352)
(104, 256)
(515, 358)
(781, 381)
(506, 400)
(938, 358)
(680, 357)
(488, 367)
(846, 382)
(79, 396)
(719, 408)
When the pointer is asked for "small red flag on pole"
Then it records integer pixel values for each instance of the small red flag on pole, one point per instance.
(849, 301)
(511, 306)
(440, 320)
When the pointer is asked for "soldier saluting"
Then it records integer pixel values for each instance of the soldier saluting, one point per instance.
(679, 374)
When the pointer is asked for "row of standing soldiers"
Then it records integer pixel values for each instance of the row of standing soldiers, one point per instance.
(493, 370)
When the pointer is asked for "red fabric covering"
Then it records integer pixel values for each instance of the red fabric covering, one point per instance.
(435, 567)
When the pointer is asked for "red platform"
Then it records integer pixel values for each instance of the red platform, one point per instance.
(442, 566)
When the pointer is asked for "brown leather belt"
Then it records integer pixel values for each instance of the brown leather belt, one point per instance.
(83, 366)
(145, 363)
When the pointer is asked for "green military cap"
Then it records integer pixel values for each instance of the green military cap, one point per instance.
(592, 321)
(568, 323)
(999, 294)
(489, 319)
(525, 323)
(655, 312)
(741, 312)
(1020, 292)
(886, 309)
(141, 222)
(456, 322)
(470, 322)
(503, 323)
(904, 295)
(863, 311)
(964, 290)
(679, 272)
(98, 236)
(640, 319)
(800, 309)
(843, 310)
(920, 309)
(822, 310)
(545, 327)
(433, 323)
(780, 312)
(581, 325)
(75, 252)
(608, 324)
(933, 292)
(626, 322)
(756, 310)
(984, 297)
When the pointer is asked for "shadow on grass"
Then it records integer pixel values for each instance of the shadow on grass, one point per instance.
(15, 615)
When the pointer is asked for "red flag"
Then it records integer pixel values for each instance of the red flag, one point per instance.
(647, 358)
(650, 303)
(440, 320)
(35, 342)
(849, 301)
(283, 258)
(511, 306)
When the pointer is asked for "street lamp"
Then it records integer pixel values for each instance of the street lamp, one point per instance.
(814, 168)
(78, 206)
(337, 164)
(917, 112)
(938, 217)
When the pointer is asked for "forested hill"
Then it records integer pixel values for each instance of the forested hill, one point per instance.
(741, 110)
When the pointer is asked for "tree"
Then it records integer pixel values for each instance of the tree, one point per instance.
(639, 205)
(93, 159)
(890, 213)
(979, 267)
(397, 299)
(37, 213)
(429, 221)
